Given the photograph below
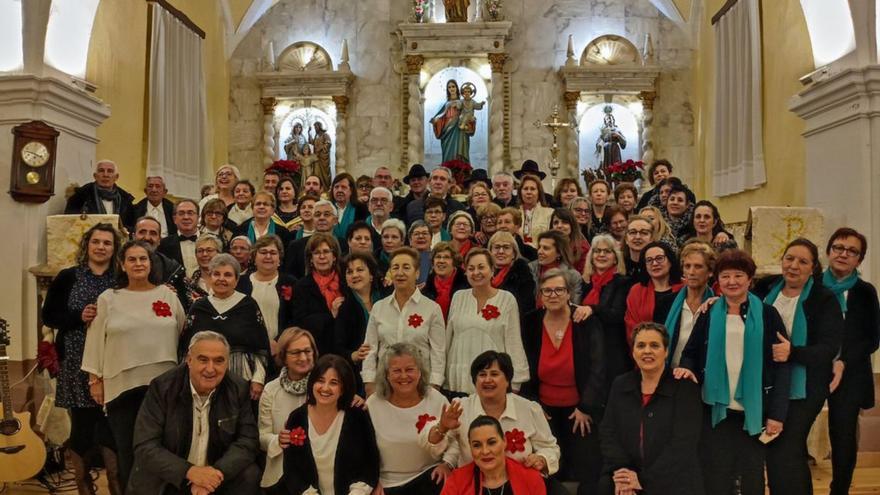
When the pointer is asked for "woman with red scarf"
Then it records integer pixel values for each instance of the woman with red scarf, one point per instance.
(318, 295)
(446, 278)
(606, 287)
(461, 228)
(553, 252)
(512, 271)
(651, 298)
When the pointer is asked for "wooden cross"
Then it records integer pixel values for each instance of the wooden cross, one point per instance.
(554, 125)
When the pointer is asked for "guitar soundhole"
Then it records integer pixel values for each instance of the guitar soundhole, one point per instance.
(10, 427)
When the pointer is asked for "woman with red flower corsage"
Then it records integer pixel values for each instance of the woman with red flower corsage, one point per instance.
(492, 472)
(405, 316)
(482, 318)
(332, 446)
(401, 408)
(132, 339)
(567, 377)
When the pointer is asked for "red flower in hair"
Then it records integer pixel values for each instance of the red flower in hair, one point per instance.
(490, 312)
(161, 308)
(423, 420)
(298, 436)
(516, 440)
(286, 292)
(415, 320)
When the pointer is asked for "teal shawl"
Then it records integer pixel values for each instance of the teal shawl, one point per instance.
(798, 336)
(838, 287)
(252, 234)
(347, 219)
(675, 315)
(716, 384)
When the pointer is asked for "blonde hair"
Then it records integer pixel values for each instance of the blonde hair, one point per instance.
(611, 244)
(662, 230)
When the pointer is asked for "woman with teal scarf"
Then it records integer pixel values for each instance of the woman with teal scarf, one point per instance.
(852, 388)
(812, 317)
(697, 264)
(262, 223)
(730, 352)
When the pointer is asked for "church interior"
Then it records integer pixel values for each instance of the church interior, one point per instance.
(798, 135)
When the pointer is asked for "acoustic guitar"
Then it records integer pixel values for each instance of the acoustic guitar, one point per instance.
(22, 453)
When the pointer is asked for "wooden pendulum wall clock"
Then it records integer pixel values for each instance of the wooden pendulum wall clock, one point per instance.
(33, 162)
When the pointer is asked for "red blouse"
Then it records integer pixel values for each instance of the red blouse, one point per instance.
(558, 387)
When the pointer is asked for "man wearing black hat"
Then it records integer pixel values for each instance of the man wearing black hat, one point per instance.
(530, 167)
(417, 179)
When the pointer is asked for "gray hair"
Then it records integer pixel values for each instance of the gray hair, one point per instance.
(207, 335)
(502, 236)
(558, 272)
(224, 259)
(400, 349)
(611, 243)
(205, 238)
(244, 238)
(232, 168)
(415, 225)
(111, 162)
(393, 223)
(443, 169)
(325, 202)
(381, 189)
(506, 175)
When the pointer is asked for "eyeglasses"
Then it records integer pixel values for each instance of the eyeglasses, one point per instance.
(213, 213)
(225, 173)
(365, 187)
(582, 211)
(323, 252)
(502, 247)
(656, 260)
(263, 203)
(420, 233)
(205, 251)
(300, 352)
(379, 200)
(838, 249)
(553, 291)
(643, 233)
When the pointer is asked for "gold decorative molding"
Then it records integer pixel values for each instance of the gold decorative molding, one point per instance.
(268, 105)
(414, 63)
(571, 99)
(341, 102)
(497, 61)
(647, 98)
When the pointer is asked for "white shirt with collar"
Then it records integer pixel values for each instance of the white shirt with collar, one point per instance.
(198, 447)
(419, 322)
(188, 255)
(158, 212)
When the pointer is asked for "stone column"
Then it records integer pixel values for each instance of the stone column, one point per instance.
(414, 142)
(341, 121)
(268, 105)
(496, 113)
(573, 148)
(647, 98)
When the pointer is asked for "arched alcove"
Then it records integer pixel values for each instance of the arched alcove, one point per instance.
(590, 125)
(304, 56)
(434, 100)
(307, 116)
(610, 49)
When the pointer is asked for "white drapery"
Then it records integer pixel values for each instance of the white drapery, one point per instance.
(177, 140)
(739, 145)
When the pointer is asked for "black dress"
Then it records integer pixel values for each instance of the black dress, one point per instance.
(521, 284)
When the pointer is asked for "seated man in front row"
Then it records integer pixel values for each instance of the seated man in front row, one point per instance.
(196, 432)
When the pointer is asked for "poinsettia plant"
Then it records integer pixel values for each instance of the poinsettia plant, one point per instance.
(628, 171)
(461, 170)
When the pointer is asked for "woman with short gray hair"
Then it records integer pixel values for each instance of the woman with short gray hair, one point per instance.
(400, 409)
(235, 316)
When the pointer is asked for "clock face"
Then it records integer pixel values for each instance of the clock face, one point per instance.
(35, 154)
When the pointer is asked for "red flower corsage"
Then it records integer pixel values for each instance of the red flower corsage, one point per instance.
(298, 436)
(423, 420)
(286, 292)
(415, 320)
(516, 440)
(490, 312)
(161, 308)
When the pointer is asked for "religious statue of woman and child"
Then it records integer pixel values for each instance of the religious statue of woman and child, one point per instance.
(312, 152)
(455, 123)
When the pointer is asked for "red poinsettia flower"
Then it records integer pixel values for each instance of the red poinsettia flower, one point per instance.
(423, 420)
(286, 292)
(161, 308)
(490, 312)
(298, 436)
(415, 320)
(516, 440)
(47, 358)
(286, 166)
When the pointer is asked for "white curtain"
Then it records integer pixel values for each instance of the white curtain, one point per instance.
(739, 146)
(177, 147)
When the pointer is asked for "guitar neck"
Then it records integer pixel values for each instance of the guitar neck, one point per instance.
(4, 384)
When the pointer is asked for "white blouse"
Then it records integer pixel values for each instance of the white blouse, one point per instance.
(276, 404)
(324, 452)
(403, 456)
(472, 331)
(419, 322)
(786, 306)
(133, 338)
(521, 418)
(734, 349)
(266, 296)
(685, 327)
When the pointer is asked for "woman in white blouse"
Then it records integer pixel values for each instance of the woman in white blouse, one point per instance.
(132, 340)
(529, 439)
(481, 319)
(296, 357)
(405, 316)
(403, 405)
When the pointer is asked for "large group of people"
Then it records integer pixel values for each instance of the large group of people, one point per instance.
(312, 338)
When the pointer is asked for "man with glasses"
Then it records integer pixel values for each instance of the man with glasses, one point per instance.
(382, 178)
(181, 247)
(379, 206)
(438, 187)
(325, 218)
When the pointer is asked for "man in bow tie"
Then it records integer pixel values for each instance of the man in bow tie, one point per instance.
(181, 247)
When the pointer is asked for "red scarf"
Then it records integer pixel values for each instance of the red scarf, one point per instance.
(465, 247)
(444, 291)
(329, 286)
(598, 281)
(499, 277)
(640, 306)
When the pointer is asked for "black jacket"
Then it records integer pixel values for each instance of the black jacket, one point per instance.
(357, 457)
(415, 210)
(525, 250)
(776, 376)
(280, 231)
(824, 331)
(140, 209)
(610, 311)
(672, 422)
(55, 312)
(295, 258)
(589, 369)
(310, 312)
(861, 335)
(284, 286)
(163, 433)
(83, 201)
(521, 284)
(172, 273)
(170, 247)
(460, 282)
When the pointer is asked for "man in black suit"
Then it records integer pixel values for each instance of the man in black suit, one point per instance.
(181, 247)
(438, 187)
(146, 228)
(156, 205)
(417, 179)
(325, 218)
(103, 196)
(502, 186)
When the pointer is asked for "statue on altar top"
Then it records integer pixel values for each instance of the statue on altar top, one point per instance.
(456, 10)
(611, 140)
